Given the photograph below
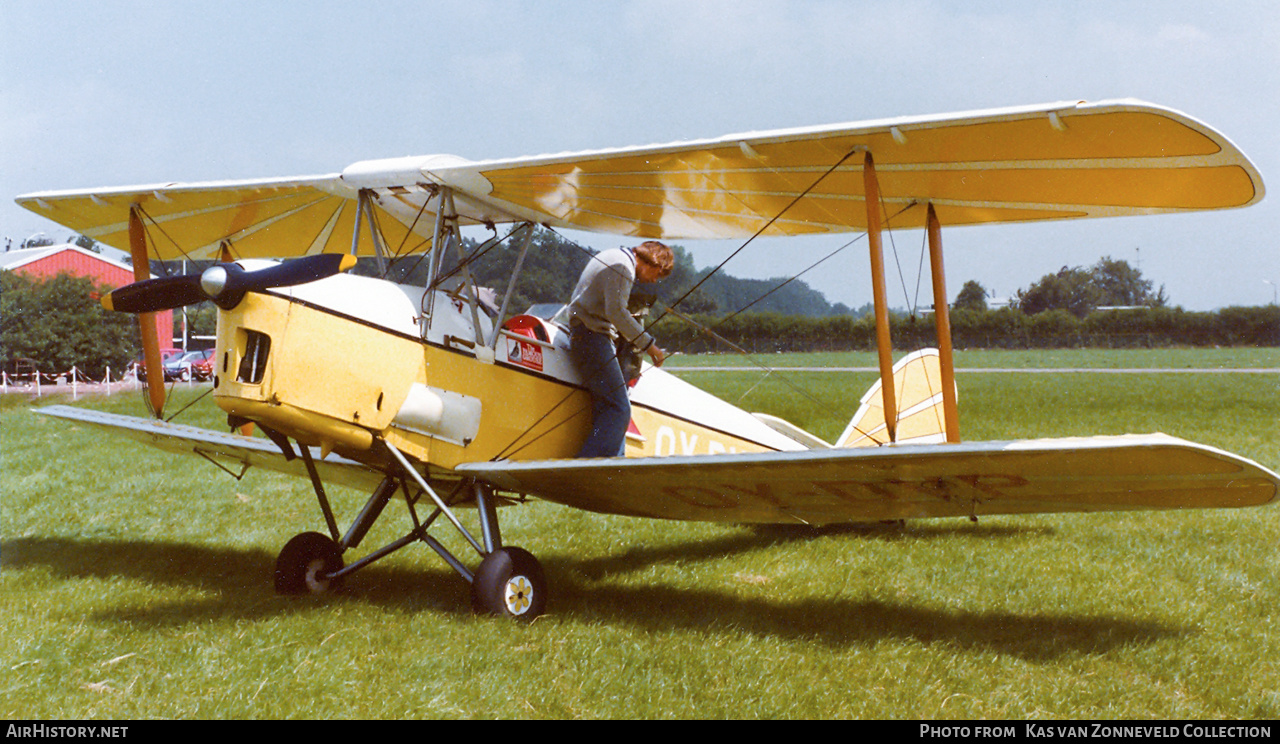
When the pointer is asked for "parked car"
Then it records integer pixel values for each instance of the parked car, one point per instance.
(202, 368)
(166, 356)
(184, 367)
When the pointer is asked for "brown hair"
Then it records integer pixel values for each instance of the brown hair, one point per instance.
(657, 255)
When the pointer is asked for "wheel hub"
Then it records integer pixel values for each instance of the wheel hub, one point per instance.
(315, 570)
(518, 595)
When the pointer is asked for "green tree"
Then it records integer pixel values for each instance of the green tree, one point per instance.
(973, 296)
(551, 269)
(202, 320)
(1108, 283)
(1121, 285)
(1071, 289)
(59, 324)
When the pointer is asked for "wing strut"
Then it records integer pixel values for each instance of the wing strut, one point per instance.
(364, 213)
(884, 344)
(146, 321)
(942, 316)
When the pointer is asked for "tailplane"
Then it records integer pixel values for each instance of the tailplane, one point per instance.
(917, 382)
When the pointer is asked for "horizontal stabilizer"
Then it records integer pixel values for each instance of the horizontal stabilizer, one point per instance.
(791, 431)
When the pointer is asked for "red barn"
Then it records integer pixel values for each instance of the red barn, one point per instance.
(48, 261)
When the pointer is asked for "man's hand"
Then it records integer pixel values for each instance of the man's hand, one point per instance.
(657, 355)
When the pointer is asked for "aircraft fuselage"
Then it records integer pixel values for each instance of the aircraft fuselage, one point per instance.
(341, 362)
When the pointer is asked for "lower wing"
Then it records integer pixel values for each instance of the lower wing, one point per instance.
(233, 453)
(1132, 472)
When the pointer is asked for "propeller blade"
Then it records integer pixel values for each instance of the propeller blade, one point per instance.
(154, 295)
(225, 284)
(301, 270)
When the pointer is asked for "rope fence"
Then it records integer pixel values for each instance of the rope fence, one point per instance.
(38, 383)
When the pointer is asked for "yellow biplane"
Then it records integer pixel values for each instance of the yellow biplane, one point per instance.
(447, 398)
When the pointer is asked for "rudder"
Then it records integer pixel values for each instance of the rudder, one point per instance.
(917, 381)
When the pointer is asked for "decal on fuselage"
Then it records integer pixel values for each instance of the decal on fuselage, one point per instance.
(524, 354)
(670, 441)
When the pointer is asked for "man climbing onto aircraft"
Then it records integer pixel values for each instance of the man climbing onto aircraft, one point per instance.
(598, 312)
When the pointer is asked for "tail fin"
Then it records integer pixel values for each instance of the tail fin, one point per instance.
(917, 380)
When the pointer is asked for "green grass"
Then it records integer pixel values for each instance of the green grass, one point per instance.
(138, 585)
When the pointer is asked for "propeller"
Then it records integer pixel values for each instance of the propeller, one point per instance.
(225, 284)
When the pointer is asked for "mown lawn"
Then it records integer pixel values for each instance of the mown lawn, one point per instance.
(136, 585)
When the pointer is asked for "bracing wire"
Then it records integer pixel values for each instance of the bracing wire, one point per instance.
(399, 251)
(149, 222)
(671, 306)
(768, 224)
(194, 401)
(924, 242)
(811, 267)
(913, 302)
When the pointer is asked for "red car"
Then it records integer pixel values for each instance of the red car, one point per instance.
(193, 365)
(202, 367)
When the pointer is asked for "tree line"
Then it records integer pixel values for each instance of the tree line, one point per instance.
(1004, 328)
(1107, 305)
(1110, 283)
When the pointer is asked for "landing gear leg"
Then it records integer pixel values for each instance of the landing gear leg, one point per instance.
(509, 581)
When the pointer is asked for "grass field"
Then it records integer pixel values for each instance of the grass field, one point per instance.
(136, 585)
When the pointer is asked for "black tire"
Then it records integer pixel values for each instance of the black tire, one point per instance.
(304, 563)
(509, 583)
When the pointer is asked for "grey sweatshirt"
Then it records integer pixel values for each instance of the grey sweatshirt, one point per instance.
(600, 300)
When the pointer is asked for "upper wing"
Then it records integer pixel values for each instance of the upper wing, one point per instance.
(229, 451)
(1049, 162)
(900, 482)
(1056, 161)
(254, 219)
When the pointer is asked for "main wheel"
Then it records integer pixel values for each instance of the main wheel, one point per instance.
(305, 563)
(509, 583)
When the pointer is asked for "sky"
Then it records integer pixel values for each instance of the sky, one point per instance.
(126, 92)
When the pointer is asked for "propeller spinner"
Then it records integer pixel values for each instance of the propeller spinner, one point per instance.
(225, 284)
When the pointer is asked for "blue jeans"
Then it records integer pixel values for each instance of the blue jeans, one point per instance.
(596, 359)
